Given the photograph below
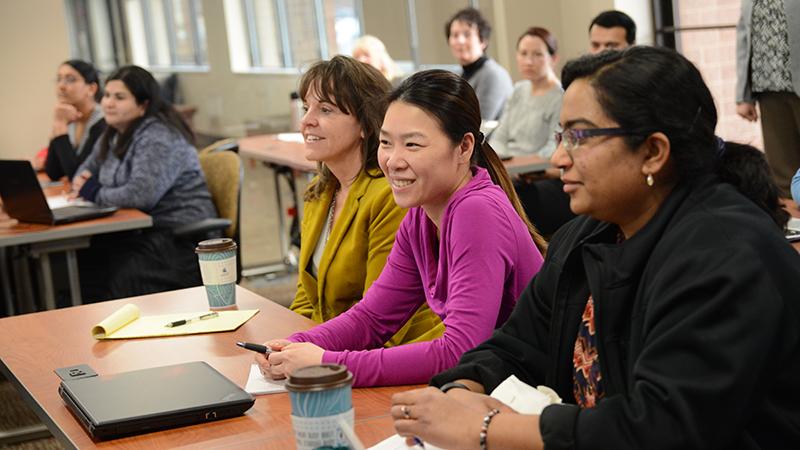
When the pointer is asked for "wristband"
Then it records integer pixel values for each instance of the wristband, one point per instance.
(453, 385)
(89, 189)
(485, 427)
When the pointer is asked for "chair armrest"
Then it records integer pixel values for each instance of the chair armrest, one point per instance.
(201, 227)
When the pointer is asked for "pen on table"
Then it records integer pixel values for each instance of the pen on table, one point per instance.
(254, 347)
(178, 323)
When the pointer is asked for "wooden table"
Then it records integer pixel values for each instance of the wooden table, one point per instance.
(285, 157)
(41, 240)
(275, 149)
(33, 345)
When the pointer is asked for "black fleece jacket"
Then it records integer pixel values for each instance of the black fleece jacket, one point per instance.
(698, 325)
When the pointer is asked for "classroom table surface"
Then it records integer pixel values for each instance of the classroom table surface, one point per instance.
(280, 149)
(36, 344)
(13, 232)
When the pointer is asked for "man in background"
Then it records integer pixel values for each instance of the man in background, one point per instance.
(768, 72)
(611, 30)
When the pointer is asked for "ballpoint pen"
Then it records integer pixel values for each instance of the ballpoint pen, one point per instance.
(178, 323)
(255, 347)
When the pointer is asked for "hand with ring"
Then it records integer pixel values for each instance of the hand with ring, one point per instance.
(439, 418)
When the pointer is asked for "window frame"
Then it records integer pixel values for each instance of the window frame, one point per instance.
(246, 8)
(119, 30)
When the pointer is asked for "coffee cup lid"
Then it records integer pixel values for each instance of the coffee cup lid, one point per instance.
(215, 245)
(319, 378)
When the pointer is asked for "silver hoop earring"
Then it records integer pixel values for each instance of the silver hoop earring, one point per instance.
(650, 179)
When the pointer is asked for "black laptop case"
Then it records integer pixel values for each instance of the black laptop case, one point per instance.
(151, 399)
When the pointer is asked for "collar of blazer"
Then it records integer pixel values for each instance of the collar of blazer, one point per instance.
(316, 215)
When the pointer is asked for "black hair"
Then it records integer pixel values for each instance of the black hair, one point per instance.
(650, 89)
(450, 99)
(655, 89)
(146, 91)
(745, 167)
(89, 74)
(357, 89)
(471, 16)
(614, 18)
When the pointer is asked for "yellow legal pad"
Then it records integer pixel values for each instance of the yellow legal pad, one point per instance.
(127, 323)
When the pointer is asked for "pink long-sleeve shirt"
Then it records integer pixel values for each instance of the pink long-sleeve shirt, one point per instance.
(471, 276)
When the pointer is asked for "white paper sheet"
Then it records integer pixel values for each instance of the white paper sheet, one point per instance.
(396, 442)
(257, 384)
(61, 201)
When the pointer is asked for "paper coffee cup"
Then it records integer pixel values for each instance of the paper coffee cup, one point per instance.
(321, 400)
(217, 259)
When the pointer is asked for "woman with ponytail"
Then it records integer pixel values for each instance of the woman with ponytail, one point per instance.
(666, 315)
(465, 247)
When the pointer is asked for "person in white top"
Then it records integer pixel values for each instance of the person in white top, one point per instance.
(528, 126)
(531, 114)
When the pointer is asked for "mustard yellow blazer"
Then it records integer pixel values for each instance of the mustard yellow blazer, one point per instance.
(354, 256)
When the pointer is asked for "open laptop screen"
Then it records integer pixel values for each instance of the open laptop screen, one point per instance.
(24, 200)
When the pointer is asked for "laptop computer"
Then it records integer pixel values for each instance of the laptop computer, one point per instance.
(146, 400)
(24, 200)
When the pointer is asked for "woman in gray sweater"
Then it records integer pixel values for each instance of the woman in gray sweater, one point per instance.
(468, 35)
(144, 160)
(530, 118)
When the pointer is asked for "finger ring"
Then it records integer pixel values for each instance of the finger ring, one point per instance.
(406, 412)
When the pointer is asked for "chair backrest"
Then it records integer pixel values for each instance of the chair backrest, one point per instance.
(223, 171)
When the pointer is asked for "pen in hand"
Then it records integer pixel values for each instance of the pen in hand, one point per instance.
(178, 323)
(254, 347)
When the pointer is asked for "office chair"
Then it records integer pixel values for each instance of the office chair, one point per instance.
(224, 175)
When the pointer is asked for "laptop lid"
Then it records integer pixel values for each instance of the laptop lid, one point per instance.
(150, 399)
(24, 200)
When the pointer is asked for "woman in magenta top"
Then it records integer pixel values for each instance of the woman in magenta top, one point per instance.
(465, 247)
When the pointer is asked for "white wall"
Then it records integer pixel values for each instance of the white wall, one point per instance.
(642, 13)
(34, 37)
(227, 101)
(33, 41)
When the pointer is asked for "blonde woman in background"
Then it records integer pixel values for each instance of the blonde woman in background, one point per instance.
(370, 50)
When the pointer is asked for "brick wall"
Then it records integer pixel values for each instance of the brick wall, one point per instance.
(714, 53)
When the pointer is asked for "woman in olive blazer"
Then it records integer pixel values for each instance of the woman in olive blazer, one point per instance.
(349, 215)
(354, 256)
